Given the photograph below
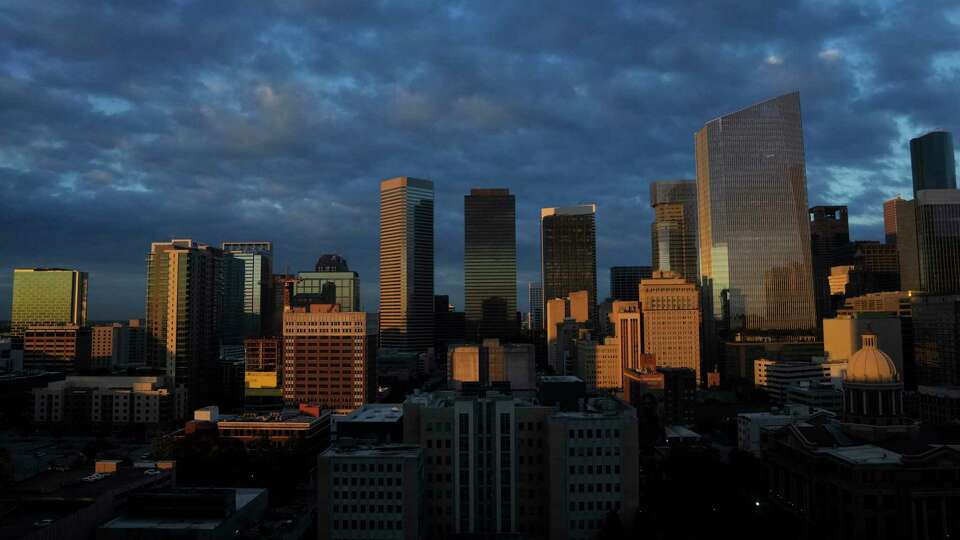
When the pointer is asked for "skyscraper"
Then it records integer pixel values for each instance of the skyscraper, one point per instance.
(931, 158)
(568, 253)
(247, 298)
(406, 264)
(830, 244)
(625, 281)
(184, 299)
(938, 235)
(332, 282)
(490, 262)
(670, 307)
(674, 229)
(535, 306)
(900, 228)
(753, 223)
(48, 297)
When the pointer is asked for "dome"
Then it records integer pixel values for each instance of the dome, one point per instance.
(870, 365)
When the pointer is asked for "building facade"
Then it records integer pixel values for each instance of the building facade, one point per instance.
(109, 400)
(625, 318)
(670, 306)
(932, 161)
(625, 281)
(332, 282)
(938, 240)
(568, 253)
(63, 348)
(754, 230)
(535, 307)
(597, 363)
(830, 244)
(406, 264)
(48, 297)
(674, 229)
(492, 362)
(900, 226)
(490, 262)
(247, 299)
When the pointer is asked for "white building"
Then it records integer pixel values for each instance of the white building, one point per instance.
(108, 399)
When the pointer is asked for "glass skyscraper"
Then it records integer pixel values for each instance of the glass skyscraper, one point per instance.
(625, 281)
(490, 262)
(932, 161)
(535, 306)
(247, 298)
(406, 264)
(331, 283)
(673, 235)
(753, 224)
(568, 253)
(938, 240)
(48, 297)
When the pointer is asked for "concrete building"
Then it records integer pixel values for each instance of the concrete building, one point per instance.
(936, 328)
(184, 313)
(568, 253)
(11, 355)
(490, 263)
(58, 348)
(754, 428)
(900, 226)
(777, 376)
(815, 395)
(329, 357)
(48, 297)
(598, 364)
(625, 319)
(879, 266)
(671, 321)
(625, 281)
(369, 491)
(110, 400)
(674, 228)
(492, 361)
(406, 264)
(565, 317)
(830, 244)
(105, 344)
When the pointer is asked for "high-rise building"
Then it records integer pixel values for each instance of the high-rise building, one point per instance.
(598, 364)
(246, 290)
(879, 265)
(754, 230)
(830, 245)
(406, 264)
(670, 307)
(332, 282)
(565, 317)
(535, 306)
(47, 297)
(900, 228)
(490, 262)
(674, 229)
(938, 240)
(184, 302)
(568, 252)
(329, 357)
(625, 281)
(936, 335)
(932, 161)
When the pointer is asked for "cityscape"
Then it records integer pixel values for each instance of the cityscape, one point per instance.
(737, 359)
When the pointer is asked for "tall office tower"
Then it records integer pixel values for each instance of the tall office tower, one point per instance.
(246, 290)
(671, 321)
(625, 320)
(332, 282)
(406, 264)
(674, 229)
(938, 240)
(184, 299)
(753, 223)
(830, 245)
(48, 297)
(900, 227)
(565, 317)
(625, 281)
(879, 264)
(490, 262)
(329, 357)
(568, 252)
(931, 158)
(535, 301)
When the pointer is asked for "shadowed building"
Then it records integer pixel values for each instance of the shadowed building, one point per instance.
(674, 228)
(900, 228)
(247, 280)
(879, 265)
(568, 253)
(932, 161)
(406, 264)
(490, 262)
(535, 306)
(830, 245)
(938, 235)
(48, 296)
(754, 230)
(625, 281)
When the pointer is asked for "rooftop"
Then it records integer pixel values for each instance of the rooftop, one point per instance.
(866, 454)
(373, 451)
(374, 412)
(244, 496)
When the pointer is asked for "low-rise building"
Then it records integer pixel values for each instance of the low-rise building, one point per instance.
(492, 361)
(82, 400)
(280, 428)
(378, 422)
(815, 395)
(58, 348)
(776, 376)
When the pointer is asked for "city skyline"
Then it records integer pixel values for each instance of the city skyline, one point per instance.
(296, 179)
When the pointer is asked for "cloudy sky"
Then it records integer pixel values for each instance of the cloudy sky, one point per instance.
(130, 122)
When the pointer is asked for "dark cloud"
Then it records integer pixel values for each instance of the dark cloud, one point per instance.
(131, 122)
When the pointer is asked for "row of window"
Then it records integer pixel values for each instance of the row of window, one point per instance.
(370, 524)
(590, 451)
(594, 488)
(364, 481)
(364, 467)
(590, 469)
(368, 495)
(592, 506)
(594, 433)
(363, 508)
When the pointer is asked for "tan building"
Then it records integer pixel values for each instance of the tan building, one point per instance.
(899, 302)
(57, 348)
(503, 362)
(564, 317)
(598, 364)
(105, 343)
(671, 321)
(842, 335)
(329, 357)
(625, 320)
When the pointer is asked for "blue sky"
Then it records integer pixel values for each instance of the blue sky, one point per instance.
(130, 122)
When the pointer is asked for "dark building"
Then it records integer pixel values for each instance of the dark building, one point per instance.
(879, 265)
(448, 327)
(754, 231)
(490, 263)
(566, 392)
(739, 356)
(568, 253)
(58, 348)
(679, 395)
(936, 337)
(900, 228)
(331, 262)
(938, 235)
(673, 233)
(625, 281)
(377, 422)
(830, 244)
(931, 157)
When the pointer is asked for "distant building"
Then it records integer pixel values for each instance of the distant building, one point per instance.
(328, 357)
(565, 317)
(11, 354)
(671, 321)
(625, 281)
(625, 318)
(674, 229)
(104, 340)
(830, 243)
(247, 298)
(380, 423)
(492, 361)
(739, 356)
(535, 306)
(815, 395)
(390, 478)
(932, 161)
(109, 400)
(776, 377)
(332, 282)
(448, 327)
(406, 264)
(280, 428)
(753, 428)
(58, 348)
(900, 225)
(842, 335)
(568, 253)
(48, 297)
(938, 240)
(598, 364)
(490, 263)
(679, 395)
(936, 331)
(880, 265)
